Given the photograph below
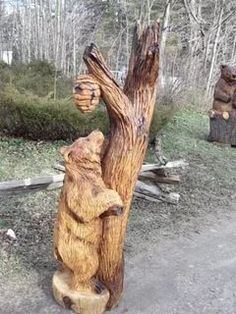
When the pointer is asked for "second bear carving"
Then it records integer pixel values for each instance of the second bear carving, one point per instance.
(84, 203)
(225, 90)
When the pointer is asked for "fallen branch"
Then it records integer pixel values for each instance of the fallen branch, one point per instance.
(148, 167)
(31, 185)
(160, 179)
(147, 191)
(15, 187)
(153, 193)
(171, 164)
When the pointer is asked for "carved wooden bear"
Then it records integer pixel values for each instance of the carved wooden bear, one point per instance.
(84, 202)
(225, 90)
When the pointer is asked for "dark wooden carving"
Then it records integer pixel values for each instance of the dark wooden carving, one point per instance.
(223, 114)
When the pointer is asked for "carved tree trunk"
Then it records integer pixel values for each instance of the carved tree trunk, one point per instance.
(223, 127)
(130, 111)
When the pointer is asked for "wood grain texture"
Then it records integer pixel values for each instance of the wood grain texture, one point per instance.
(78, 229)
(79, 302)
(130, 111)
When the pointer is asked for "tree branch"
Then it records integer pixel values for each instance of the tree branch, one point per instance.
(144, 59)
(118, 104)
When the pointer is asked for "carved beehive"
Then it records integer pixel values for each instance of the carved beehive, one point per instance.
(86, 93)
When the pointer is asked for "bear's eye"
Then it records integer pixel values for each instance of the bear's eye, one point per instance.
(77, 88)
(234, 76)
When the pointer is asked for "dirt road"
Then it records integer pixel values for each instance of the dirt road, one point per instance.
(184, 275)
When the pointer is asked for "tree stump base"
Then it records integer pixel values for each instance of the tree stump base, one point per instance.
(223, 127)
(79, 302)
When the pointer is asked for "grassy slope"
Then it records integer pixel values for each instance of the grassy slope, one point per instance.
(21, 158)
(207, 187)
(214, 164)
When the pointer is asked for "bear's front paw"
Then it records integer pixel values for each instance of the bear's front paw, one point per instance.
(113, 211)
(99, 287)
(229, 99)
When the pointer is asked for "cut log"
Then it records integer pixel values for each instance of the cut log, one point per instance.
(158, 178)
(59, 167)
(171, 164)
(31, 185)
(14, 187)
(147, 167)
(147, 189)
(223, 128)
(146, 197)
(153, 192)
(171, 198)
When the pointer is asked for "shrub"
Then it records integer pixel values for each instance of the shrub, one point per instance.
(40, 118)
(162, 115)
(36, 77)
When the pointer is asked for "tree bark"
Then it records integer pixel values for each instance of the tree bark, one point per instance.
(130, 111)
(223, 127)
(215, 46)
(164, 32)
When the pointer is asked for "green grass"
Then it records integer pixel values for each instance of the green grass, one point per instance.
(24, 158)
(186, 137)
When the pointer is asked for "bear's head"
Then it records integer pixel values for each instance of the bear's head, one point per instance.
(228, 73)
(85, 152)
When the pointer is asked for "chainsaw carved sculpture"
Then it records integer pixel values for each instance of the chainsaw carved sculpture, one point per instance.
(223, 114)
(84, 203)
(130, 111)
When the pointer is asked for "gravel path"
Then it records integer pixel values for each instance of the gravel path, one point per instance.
(183, 275)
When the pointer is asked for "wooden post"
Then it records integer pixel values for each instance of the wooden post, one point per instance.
(130, 111)
(223, 113)
(223, 127)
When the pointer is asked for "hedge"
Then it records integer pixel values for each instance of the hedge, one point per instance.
(39, 118)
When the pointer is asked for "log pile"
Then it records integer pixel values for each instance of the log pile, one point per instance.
(149, 186)
(155, 182)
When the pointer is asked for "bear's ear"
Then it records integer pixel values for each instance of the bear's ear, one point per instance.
(223, 66)
(65, 151)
